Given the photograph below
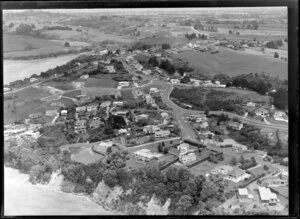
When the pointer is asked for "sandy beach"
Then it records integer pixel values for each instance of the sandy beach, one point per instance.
(23, 198)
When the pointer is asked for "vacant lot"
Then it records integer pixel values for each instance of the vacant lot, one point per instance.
(86, 156)
(31, 93)
(96, 92)
(61, 85)
(234, 63)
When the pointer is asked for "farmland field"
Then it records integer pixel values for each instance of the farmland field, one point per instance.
(234, 63)
(31, 93)
(94, 91)
(72, 94)
(99, 82)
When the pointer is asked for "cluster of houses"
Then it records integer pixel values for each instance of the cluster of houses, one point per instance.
(137, 66)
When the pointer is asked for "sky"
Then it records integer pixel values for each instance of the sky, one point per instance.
(140, 10)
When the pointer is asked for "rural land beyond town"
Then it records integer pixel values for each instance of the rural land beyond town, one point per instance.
(146, 112)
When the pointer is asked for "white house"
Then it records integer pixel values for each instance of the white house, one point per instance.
(110, 69)
(153, 90)
(251, 104)
(239, 147)
(81, 109)
(237, 175)
(122, 131)
(183, 148)
(203, 125)
(175, 81)
(224, 169)
(235, 125)
(244, 194)
(33, 80)
(103, 146)
(124, 83)
(162, 133)
(146, 72)
(142, 116)
(64, 112)
(117, 103)
(51, 112)
(151, 129)
(120, 113)
(266, 196)
(187, 158)
(92, 107)
(262, 112)
(105, 104)
(280, 116)
(103, 52)
(263, 154)
(164, 115)
(84, 76)
(146, 155)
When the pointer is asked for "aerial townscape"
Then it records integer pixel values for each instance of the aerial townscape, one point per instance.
(147, 112)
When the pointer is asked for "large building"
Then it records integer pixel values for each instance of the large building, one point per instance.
(280, 116)
(162, 133)
(187, 158)
(266, 196)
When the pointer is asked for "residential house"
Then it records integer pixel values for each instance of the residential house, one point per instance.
(92, 108)
(146, 72)
(151, 129)
(105, 104)
(251, 104)
(244, 195)
(80, 126)
(162, 133)
(107, 62)
(266, 196)
(224, 169)
(239, 147)
(203, 125)
(35, 115)
(81, 109)
(183, 148)
(235, 125)
(84, 76)
(103, 52)
(64, 112)
(82, 98)
(124, 83)
(146, 155)
(280, 116)
(33, 80)
(118, 103)
(95, 122)
(175, 81)
(197, 117)
(142, 116)
(237, 175)
(120, 113)
(263, 154)
(187, 158)
(122, 131)
(103, 147)
(153, 90)
(51, 112)
(262, 112)
(149, 99)
(110, 69)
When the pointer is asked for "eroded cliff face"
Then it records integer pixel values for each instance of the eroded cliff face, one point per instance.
(110, 198)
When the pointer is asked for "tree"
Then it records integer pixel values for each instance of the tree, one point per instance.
(230, 31)
(166, 150)
(160, 148)
(276, 55)
(110, 178)
(67, 44)
(185, 79)
(184, 203)
(266, 167)
(233, 161)
(11, 25)
(24, 29)
(242, 160)
(165, 46)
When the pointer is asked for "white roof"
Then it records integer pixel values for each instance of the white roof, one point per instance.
(243, 191)
(266, 194)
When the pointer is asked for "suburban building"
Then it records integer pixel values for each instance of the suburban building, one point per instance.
(105, 104)
(262, 112)
(103, 52)
(120, 113)
(110, 69)
(35, 115)
(122, 131)
(237, 175)
(33, 80)
(239, 147)
(244, 195)
(165, 115)
(117, 103)
(151, 129)
(82, 98)
(146, 72)
(224, 169)
(103, 146)
(197, 117)
(153, 90)
(235, 125)
(149, 99)
(251, 104)
(175, 81)
(162, 133)
(51, 112)
(280, 116)
(187, 158)
(263, 154)
(81, 109)
(84, 76)
(107, 62)
(266, 196)
(203, 125)
(124, 83)
(146, 155)
(142, 116)
(92, 107)
(183, 148)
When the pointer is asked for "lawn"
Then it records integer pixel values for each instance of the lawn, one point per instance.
(127, 95)
(86, 156)
(61, 85)
(30, 106)
(72, 94)
(233, 63)
(99, 82)
(67, 102)
(31, 93)
(95, 92)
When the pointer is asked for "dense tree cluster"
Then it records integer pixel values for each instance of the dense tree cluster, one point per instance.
(24, 29)
(274, 44)
(280, 98)
(193, 96)
(58, 28)
(165, 46)
(166, 65)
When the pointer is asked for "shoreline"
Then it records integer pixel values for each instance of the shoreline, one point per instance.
(42, 196)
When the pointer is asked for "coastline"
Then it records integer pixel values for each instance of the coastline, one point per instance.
(35, 199)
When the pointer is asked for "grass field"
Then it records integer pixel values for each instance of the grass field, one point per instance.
(99, 82)
(67, 102)
(31, 93)
(95, 92)
(244, 94)
(72, 94)
(234, 63)
(127, 95)
(61, 85)
(30, 106)
(86, 156)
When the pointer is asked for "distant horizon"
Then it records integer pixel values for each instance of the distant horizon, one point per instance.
(149, 10)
